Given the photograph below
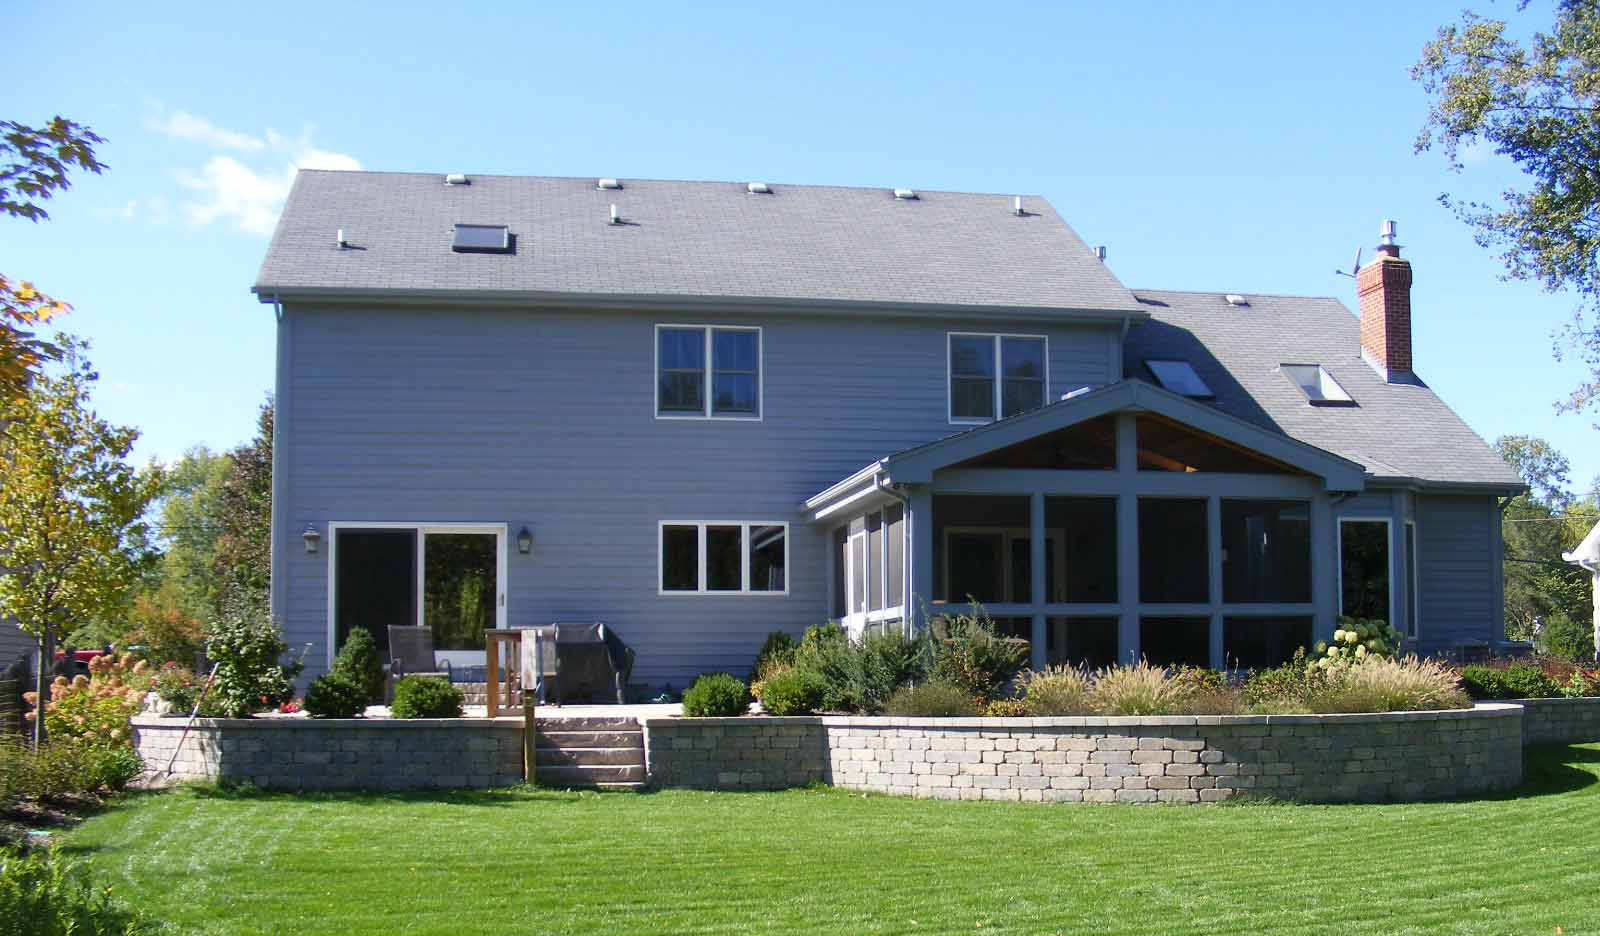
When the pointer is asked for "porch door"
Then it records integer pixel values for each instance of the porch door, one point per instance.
(450, 579)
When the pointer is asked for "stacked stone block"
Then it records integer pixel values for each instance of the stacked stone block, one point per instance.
(343, 754)
(1169, 759)
(1560, 721)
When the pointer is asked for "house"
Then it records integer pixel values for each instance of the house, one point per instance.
(703, 411)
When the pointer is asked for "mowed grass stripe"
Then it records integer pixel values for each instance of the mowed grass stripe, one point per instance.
(542, 861)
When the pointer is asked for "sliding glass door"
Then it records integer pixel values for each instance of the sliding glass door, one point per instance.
(448, 578)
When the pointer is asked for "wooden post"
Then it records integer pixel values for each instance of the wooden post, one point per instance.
(491, 675)
(530, 752)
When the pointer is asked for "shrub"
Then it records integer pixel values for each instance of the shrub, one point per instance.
(161, 631)
(1483, 682)
(1056, 690)
(248, 651)
(335, 695)
(1527, 681)
(1583, 682)
(716, 695)
(422, 697)
(44, 894)
(63, 769)
(792, 692)
(1386, 684)
(1357, 638)
(1565, 638)
(777, 654)
(825, 650)
(1140, 689)
(96, 708)
(111, 767)
(859, 675)
(967, 653)
(1281, 687)
(176, 686)
(1213, 700)
(1006, 708)
(933, 698)
(358, 662)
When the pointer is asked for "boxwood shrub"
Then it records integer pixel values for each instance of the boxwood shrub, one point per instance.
(425, 697)
(793, 692)
(359, 661)
(335, 695)
(716, 695)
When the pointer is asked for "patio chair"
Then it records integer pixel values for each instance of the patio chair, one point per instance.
(411, 653)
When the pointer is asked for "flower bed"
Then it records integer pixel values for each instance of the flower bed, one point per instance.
(1174, 758)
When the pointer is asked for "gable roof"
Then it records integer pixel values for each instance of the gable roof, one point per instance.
(1395, 430)
(684, 240)
(918, 464)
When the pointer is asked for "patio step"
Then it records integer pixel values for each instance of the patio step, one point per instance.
(583, 776)
(596, 752)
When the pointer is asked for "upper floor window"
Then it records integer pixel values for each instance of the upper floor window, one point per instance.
(708, 372)
(996, 374)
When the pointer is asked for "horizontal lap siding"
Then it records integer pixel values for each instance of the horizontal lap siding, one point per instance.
(1459, 566)
(547, 419)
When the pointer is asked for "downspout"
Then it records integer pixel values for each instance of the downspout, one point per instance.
(887, 486)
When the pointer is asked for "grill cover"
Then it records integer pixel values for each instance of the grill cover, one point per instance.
(584, 664)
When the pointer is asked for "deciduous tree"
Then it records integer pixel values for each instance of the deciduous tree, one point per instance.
(72, 537)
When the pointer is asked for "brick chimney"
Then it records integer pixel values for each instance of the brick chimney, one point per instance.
(1383, 288)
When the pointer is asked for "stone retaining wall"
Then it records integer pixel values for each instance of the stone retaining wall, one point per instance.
(342, 754)
(1560, 721)
(1178, 759)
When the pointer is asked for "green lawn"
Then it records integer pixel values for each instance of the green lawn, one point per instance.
(536, 861)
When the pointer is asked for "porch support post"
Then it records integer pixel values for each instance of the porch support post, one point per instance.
(1214, 574)
(1036, 593)
(1324, 567)
(1127, 540)
(919, 590)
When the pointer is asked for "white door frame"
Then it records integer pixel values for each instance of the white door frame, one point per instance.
(455, 657)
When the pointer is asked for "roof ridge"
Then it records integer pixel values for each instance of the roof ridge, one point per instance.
(1224, 292)
(625, 179)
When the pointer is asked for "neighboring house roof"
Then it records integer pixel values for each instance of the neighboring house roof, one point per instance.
(684, 240)
(1588, 552)
(1395, 430)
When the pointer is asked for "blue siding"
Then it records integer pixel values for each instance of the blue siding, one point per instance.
(546, 419)
(1458, 553)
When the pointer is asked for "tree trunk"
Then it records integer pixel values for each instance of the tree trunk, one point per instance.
(41, 681)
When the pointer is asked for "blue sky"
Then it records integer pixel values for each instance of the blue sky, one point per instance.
(1235, 149)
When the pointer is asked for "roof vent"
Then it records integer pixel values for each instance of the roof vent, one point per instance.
(341, 240)
(608, 184)
(457, 178)
(1236, 300)
(1100, 253)
(1016, 206)
(615, 217)
(758, 188)
(905, 194)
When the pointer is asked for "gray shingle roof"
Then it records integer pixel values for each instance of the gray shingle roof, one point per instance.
(685, 239)
(1395, 430)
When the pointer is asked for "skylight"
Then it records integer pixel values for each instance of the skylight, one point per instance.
(1317, 384)
(1179, 377)
(482, 238)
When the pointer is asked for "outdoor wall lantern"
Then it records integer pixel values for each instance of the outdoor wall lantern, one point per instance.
(525, 541)
(312, 538)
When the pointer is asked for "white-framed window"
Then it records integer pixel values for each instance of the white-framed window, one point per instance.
(869, 568)
(723, 558)
(708, 372)
(993, 376)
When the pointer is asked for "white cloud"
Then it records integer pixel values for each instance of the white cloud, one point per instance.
(182, 125)
(243, 189)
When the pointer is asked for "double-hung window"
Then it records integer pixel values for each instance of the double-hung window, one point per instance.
(708, 372)
(724, 558)
(996, 376)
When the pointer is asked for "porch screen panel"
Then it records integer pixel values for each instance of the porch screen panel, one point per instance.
(1258, 642)
(1088, 527)
(1266, 551)
(875, 561)
(979, 545)
(375, 583)
(1175, 641)
(1364, 568)
(1173, 559)
(841, 562)
(895, 519)
(1089, 642)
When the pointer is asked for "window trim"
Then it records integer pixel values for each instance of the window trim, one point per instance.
(1413, 560)
(999, 376)
(709, 374)
(744, 558)
(1388, 522)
